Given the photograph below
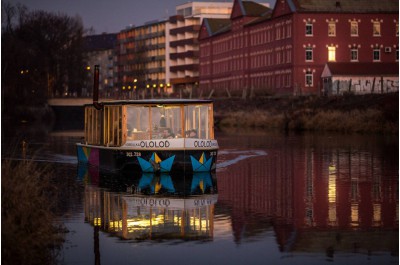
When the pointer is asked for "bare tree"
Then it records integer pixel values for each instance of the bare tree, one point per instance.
(42, 54)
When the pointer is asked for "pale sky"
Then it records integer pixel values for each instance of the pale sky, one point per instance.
(112, 16)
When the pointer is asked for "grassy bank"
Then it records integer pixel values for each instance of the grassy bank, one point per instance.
(361, 114)
(30, 234)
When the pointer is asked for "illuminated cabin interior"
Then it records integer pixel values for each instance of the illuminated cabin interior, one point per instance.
(118, 123)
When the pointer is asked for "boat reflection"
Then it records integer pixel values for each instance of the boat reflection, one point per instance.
(150, 206)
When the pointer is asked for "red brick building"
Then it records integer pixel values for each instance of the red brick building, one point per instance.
(284, 50)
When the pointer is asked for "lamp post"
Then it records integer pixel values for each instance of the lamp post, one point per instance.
(152, 90)
(162, 90)
(135, 87)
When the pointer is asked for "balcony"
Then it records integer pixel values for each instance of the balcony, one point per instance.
(182, 30)
(183, 55)
(184, 80)
(177, 43)
(186, 67)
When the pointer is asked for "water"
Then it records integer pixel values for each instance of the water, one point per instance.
(275, 199)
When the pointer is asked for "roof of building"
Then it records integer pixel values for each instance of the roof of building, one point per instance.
(253, 9)
(100, 42)
(217, 25)
(345, 6)
(360, 69)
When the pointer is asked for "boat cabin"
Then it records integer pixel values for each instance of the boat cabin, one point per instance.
(119, 122)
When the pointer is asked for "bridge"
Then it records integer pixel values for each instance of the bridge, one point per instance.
(69, 101)
(69, 112)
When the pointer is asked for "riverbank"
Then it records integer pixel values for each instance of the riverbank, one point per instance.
(372, 113)
(30, 233)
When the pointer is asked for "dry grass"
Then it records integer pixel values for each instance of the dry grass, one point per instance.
(29, 232)
(254, 119)
(363, 121)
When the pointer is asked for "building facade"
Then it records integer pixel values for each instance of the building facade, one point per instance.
(284, 50)
(161, 57)
(140, 60)
(183, 30)
(99, 50)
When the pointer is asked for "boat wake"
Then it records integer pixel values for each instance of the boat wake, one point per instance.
(55, 158)
(225, 158)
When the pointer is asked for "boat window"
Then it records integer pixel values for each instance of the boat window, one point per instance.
(138, 125)
(154, 122)
(114, 132)
(166, 122)
(92, 125)
(198, 121)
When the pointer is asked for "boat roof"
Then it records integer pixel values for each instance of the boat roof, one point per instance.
(155, 102)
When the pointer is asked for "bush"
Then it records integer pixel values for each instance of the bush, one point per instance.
(29, 232)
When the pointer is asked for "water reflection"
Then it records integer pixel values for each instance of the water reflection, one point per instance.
(319, 195)
(149, 206)
(285, 199)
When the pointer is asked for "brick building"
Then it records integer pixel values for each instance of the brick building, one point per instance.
(285, 49)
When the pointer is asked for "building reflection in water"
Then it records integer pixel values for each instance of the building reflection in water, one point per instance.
(316, 196)
(150, 206)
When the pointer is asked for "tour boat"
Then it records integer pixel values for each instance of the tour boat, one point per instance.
(156, 135)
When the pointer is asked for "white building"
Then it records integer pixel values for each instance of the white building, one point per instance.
(182, 63)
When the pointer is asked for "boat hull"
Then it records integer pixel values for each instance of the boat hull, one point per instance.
(153, 156)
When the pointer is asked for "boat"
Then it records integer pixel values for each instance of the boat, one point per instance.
(151, 136)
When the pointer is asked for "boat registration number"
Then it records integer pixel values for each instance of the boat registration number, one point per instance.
(132, 154)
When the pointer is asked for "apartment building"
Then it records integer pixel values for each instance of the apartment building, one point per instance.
(161, 57)
(99, 50)
(140, 59)
(182, 41)
(285, 49)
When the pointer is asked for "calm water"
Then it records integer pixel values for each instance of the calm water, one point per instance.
(275, 199)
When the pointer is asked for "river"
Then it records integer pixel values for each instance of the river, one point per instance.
(275, 199)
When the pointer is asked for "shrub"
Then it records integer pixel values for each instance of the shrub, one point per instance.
(29, 232)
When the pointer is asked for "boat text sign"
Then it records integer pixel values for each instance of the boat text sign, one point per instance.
(172, 144)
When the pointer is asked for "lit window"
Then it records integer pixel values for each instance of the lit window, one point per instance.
(331, 53)
(332, 29)
(354, 28)
(309, 78)
(376, 55)
(309, 54)
(309, 29)
(376, 28)
(354, 55)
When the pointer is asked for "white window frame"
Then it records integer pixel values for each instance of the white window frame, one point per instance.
(355, 52)
(309, 51)
(309, 27)
(376, 29)
(309, 80)
(331, 54)
(331, 29)
(354, 27)
(376, 51)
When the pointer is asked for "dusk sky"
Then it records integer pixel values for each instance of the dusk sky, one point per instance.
(112, 16)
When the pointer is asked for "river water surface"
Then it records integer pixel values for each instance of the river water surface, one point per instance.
(274, 199)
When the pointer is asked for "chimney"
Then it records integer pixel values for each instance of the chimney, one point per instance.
(96, 78)
(338, 7)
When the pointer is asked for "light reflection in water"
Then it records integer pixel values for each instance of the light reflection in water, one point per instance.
(156, 208)
(320, 194)
(291, 199)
